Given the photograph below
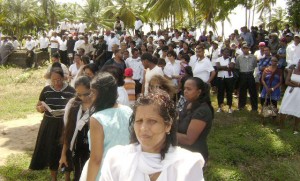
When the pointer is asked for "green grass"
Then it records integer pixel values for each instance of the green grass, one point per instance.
(19, 91)
(240, 147)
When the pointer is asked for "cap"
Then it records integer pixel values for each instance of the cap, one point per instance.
(261, 44)
(215, 42)
(245, 46)
(128, 72)
(113, 32)
(297, 35)
(289, 34)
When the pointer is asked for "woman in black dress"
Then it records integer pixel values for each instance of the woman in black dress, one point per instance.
(195, 120)
(48, 148)
(75, 139)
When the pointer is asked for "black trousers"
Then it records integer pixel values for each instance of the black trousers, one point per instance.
(225, 85)
(138, 88)
(64, 57)
(247, 82)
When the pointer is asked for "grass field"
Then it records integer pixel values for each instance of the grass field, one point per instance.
(240, 147)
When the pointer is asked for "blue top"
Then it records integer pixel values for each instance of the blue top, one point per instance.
(275, 95)
(115, 123)
(282, 61)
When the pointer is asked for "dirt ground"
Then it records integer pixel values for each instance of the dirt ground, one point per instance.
(18, 136)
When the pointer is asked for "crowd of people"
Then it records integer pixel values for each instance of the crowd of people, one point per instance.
(144, 100)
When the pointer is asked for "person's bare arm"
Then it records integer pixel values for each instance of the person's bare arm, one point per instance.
(194, 130)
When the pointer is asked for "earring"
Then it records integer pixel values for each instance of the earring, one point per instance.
(168, 133)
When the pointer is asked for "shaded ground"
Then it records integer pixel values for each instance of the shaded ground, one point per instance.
(18, 136)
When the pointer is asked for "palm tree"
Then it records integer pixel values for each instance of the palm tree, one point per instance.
(264, 7)
(278, 19)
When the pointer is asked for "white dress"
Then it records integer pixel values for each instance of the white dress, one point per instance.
(290, 101)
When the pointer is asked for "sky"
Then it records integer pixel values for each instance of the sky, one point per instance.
(237, 17)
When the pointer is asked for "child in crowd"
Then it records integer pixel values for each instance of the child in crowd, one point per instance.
(129, 85)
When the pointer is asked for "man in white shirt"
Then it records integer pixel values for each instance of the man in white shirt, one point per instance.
(81, 27)
(54, 43)
(134, 62)
(110, 41)
(138, 25)
(16, 43)
(203, 68)
(172, 68)
(63, 50)
(29, 46)
(88, 48)
(44, 43)
(177, 38)
(119, 26)
(64, 26)
(78, 43)
(151, 70)
(293, 52)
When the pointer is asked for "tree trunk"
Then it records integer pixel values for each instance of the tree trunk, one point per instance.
(246, 16)
(253, 13)
(249, 17)
(223, 28)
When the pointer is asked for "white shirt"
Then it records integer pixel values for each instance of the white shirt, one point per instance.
(81, 27)
(172, 69)
(214, 55)
(52, 44)
(110, 42)
(123, 96)
(64, 26)
(63, 45)
(137, 67)
(224, 73)
(138, 25)
(193, 60)
(122, 25)
(74, 71)
(29, 45)
(44, 42)
(16, 44)
(177, 40)
(149, 74)
(78, 43)
(202, 69)
(296, 55)
(258, 55)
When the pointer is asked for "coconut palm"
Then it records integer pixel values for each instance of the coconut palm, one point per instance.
(278, 19)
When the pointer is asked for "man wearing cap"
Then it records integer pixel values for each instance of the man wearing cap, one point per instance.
(29, 46)
(274, 43)
(63, 50)
(6, 48)
(293, 52)
(246, 64)
(78, 43)
(81, 27)
(135, 63)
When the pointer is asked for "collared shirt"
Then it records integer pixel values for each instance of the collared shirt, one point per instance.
(214, 54)
(137, 67)
(248, 38)
(246, 63)
(202, 69)
(224, 62)
(78, 43)
(172, 69)
(44, 42)
(296, 55)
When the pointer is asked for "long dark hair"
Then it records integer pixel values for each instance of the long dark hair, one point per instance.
(204, 97)
(106, 86)
(72, 116)
(166, 109)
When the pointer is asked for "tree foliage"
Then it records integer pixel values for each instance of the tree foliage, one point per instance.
(293, 11)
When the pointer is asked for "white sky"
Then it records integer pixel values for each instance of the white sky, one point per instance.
(237, 18)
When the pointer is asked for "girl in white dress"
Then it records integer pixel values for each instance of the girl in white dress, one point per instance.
(291, 98)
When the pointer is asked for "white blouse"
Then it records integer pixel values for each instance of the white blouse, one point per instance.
(130, 163)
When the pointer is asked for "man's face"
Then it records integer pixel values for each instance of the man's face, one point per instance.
(297, 40)
(267, 51)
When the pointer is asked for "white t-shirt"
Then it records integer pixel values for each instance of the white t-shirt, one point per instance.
(29, 45)
(177, 40)
(81, 27)
(63, 45)
(202, 69)
(223, 73)
(172, 69)
(78, 43)
(138, 25)
(123, 96)
(110, 42)
(258, 55)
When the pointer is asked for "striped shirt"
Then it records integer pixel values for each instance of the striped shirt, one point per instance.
(56, 99)
(130, 89)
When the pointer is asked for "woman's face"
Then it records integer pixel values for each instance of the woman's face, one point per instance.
(93, 95)
(56, 81)
(274, 61)
(191, 91)
(150, 128)
(89, 73)
(77, 60)
(83, 93)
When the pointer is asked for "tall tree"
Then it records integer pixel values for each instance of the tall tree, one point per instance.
(293, 11)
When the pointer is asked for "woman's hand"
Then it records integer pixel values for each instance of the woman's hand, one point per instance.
(63, 161)
(40, 108)
(269, 91)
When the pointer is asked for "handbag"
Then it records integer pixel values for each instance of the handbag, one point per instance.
(268, 110)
